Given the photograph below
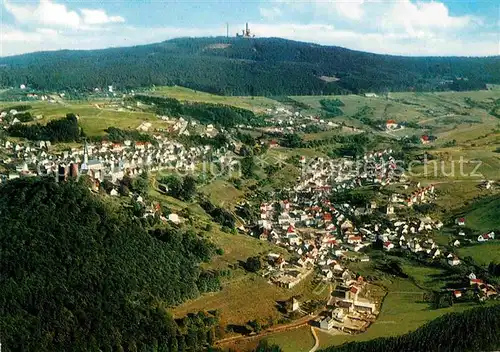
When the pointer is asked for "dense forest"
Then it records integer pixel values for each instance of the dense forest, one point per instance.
(264, 66)
(76, 276)
(473, 330)
(206, 113)
(62, 130)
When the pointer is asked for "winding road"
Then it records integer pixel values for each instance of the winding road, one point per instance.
(316, 340)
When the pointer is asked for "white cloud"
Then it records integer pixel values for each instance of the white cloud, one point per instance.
(270, 13)
(47, 13)
(399, 43)
(424, 16)
(352, 10)
(51, 14)
(99, 17)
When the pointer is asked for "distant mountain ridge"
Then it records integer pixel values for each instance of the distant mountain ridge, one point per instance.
(237, 66)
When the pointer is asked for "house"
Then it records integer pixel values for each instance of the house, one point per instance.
(326, 323)
(460, 221)
(424, 139)
(292, 305)
(388, 245)
(174, 218)
(456, 243)
(453, 261)
(457, 294)
(338, 314)
(391, 124)
(474, 282)
(486, 237)
(354, 239)
(113, 192)
(370, 95)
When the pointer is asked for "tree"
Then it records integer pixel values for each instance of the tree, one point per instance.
(188, 188)
(255, 325)
(292, 140)
(253, 264)
(247, 165)
(79, 247)
(140, 184)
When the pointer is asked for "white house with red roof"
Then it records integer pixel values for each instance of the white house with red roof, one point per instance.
(486, 237)
(460, 221)
(388, 245)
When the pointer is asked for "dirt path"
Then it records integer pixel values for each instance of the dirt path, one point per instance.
(280, 328)
(316, 339)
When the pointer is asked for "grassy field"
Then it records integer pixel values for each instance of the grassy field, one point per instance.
(483, 253)
(428, 277)
(257, 104)
(297, 340)
(222, 193)
(484, 214)
(94, 119)
(247, 296)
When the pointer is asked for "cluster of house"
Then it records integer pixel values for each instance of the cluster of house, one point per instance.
(485, 237)
(350, 307)
(9, 118)
(478, 287)
(325, 176)
(102, 161)
(317, 232)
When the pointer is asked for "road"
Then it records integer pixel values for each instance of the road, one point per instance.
(279, 328)
(316, 340)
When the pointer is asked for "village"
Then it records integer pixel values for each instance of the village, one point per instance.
(322, 231)
(322, 239)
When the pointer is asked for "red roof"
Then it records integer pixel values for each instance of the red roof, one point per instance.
(387, 244)
(391, 121)
(425, 138)
(290, 229)
(354, 290)
(476, 281)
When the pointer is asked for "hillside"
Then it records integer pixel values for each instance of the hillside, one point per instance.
(448, 333)
(77, 275)
(265, 66)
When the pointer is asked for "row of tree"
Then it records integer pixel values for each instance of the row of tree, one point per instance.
(219, 114)
(62, 130)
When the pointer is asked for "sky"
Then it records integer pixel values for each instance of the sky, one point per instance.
(399, 27)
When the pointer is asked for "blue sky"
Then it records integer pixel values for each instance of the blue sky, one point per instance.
(402, 27)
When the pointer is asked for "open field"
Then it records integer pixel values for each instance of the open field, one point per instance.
(297, 340)
(257, 104)
(428, 277)
(483, 215)
(245, 297)
(222, 193)
(483, 253)
(93, 119)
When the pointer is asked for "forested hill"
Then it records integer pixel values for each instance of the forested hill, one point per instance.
(235, 66)
(78, 275)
